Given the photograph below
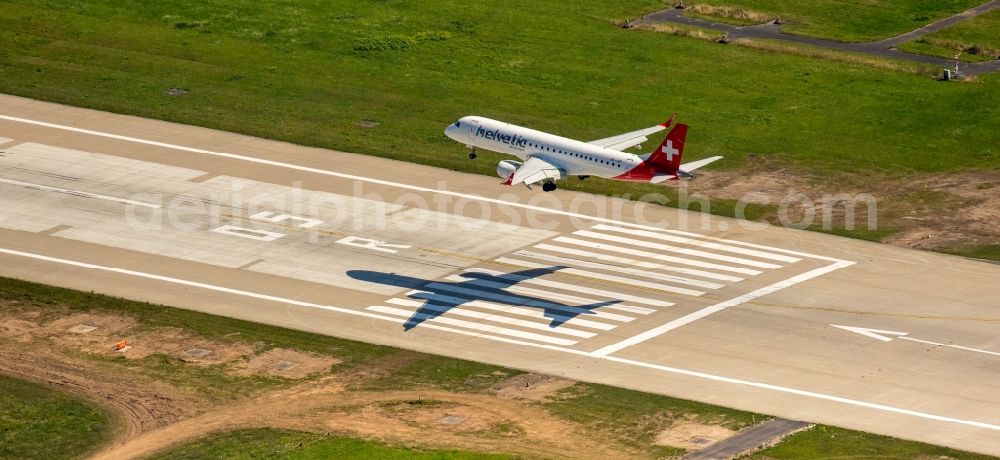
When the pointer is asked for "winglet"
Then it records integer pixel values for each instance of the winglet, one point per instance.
(669, 122)
(509, 180)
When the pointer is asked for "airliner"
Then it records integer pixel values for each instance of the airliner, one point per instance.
(548, 158)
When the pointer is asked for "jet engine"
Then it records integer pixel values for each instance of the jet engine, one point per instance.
(506, 167)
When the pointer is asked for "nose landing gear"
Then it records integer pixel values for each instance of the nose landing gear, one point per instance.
(472, 153)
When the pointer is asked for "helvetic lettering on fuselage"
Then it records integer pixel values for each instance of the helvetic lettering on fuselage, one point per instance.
(496, 135)
(548, 158)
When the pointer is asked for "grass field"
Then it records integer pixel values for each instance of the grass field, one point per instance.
(299, 445)
(310, 73)
(843, 20)
(978, 39)
(39, 422)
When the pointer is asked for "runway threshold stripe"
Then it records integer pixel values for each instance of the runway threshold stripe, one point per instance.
(605, 277)
(520, 311)
(449, 310)
(655, 256)
(697, 242)
(637, 263)
(676, 249)
(78, 193)
(576, 288)
(517, 300)
(614, 268)
(550, 296)
(405, 314)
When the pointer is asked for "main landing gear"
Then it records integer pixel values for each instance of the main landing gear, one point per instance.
(548, 186)
(472, 153)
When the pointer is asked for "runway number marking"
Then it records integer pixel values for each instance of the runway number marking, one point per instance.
(276, 218)
(249, 233)
(374, 245)
(264, 235)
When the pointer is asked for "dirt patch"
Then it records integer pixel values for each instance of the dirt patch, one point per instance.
(180, 344)
(71, 331)
(691, 435)
(534, 387)
(970, 218)
(281, 362)
(141, 404)
(19, 330)
(933, 212)
(426, 413)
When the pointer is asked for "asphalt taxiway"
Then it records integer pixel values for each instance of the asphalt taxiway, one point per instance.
(600, 290)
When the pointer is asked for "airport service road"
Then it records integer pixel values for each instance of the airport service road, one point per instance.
(784, 322)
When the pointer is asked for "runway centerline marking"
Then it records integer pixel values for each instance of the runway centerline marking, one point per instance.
(667, 369)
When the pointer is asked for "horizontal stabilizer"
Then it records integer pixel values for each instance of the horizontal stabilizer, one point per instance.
(688, 167)
(632, 139)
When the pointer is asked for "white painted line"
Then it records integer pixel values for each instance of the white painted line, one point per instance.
(695, 242)
(614, 268)
(690, 318)
(973, 349)
(606, 277)
(675, 249)
(78, 193)
(575, 288)
(883, 336)
(928, 342)
(672, 370)
(385, 182)
(637, 263)
(877, 334)
(808, 394)
(655, 255)
(575, 321)
(446, 310)
(549, 295)
(470, 325)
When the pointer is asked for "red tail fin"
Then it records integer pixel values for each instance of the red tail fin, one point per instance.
(667, 158)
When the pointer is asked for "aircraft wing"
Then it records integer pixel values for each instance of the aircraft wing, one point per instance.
(535, 170)
(632, 139)
(688, 167)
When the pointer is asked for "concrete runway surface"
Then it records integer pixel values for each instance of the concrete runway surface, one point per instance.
(687, 305)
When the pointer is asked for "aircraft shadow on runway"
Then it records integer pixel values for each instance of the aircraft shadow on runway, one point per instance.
(440, 296)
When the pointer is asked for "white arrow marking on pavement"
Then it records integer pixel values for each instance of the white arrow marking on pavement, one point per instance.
(873, 333)
(879, 334)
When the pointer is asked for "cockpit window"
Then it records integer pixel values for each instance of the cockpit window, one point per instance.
(458, 124)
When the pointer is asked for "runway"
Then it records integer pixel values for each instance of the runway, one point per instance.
(595, 289)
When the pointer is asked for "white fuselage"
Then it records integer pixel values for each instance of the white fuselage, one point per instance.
(575, 157)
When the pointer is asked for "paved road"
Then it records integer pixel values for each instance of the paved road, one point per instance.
(763, 434)
(882, 48)
(645, 297)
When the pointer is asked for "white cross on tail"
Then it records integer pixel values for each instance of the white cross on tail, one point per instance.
(670, 150)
